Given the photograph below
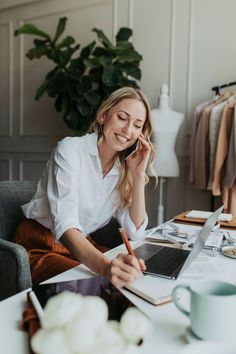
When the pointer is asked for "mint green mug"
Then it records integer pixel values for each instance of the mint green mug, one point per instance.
(212, 308)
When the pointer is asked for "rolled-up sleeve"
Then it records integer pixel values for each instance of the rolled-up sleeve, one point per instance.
(62, 188)
(125, 221)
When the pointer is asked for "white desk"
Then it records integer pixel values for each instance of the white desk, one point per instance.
(168, 333)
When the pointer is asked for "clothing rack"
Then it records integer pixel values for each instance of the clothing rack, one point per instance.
(217, 88)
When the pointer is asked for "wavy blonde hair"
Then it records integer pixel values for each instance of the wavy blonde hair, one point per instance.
(125, 182)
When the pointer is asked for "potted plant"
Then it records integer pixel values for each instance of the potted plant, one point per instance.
(79, 81)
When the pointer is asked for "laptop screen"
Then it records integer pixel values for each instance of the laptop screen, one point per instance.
(202, 237)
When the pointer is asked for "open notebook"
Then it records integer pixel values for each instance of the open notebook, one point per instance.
(150, 290)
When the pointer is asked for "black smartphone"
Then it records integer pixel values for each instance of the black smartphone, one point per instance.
(97, 286)
(131, 150)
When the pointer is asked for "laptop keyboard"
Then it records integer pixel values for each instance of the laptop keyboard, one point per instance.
(166, 261)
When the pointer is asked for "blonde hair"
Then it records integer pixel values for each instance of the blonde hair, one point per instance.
(125, 182)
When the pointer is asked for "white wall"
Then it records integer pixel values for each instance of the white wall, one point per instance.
(188, 44)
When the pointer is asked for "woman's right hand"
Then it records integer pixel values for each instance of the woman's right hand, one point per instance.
(124, 269)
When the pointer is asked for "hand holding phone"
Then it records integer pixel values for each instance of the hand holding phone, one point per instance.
(131, 150)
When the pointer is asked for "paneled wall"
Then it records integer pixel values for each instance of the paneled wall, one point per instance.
(188, 44)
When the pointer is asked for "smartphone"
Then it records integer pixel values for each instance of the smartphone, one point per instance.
(131, 150)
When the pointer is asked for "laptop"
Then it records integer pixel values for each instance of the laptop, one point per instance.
(169, 262)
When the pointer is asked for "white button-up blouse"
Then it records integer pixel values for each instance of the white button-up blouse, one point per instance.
(72, 192)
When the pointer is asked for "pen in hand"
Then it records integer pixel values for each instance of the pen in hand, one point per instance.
(129, 248)
(126, 242)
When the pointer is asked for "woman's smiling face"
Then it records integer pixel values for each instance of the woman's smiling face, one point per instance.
(123, 124)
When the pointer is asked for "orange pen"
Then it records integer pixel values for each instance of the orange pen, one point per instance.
(126, 242)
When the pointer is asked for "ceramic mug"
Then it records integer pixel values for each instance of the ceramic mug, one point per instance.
(212, 309)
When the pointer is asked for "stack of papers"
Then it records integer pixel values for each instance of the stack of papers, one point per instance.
(198, 214)
(185, 233)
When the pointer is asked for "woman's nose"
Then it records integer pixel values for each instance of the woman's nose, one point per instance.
(127, 129)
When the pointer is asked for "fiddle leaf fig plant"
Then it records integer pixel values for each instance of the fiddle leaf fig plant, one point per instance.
(82, 77)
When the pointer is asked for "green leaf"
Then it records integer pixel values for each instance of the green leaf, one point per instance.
(36, 53)
(86, 51)
(103, 39)
(99, 51)
(131, 69)
(109, 77)
(72, 118)
(41, 89)
(123, 45)
(52, 73)
(76, 68)
(40, 42)
(104, 61)
(84, 109)
(129, 56)
(60, 28)
(96, 75)
(124, 34)
(66, 42)
(86, 83)
(92, 63)
(93, 98)
(58, 103)
(29, 28)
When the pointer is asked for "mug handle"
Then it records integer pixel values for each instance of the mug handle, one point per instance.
(176, 298)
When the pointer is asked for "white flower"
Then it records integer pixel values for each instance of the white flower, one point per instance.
(49, 342)
(96, 310)
(61, 308)
(81, 331)
(134, 325)
(108, 340)
(76, 324)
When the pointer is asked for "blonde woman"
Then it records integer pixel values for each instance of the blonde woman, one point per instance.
(86, 182)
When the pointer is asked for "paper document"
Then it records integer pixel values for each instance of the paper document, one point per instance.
(198, 214)
(185, 233)
(201, 269)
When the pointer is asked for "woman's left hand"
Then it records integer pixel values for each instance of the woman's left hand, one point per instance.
(139, 160)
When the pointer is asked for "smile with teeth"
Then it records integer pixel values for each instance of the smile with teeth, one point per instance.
(121, 139)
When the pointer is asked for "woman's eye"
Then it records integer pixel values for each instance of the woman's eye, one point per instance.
(138, 126)
(122, 118)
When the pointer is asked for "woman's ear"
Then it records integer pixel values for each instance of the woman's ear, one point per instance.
(102, 118)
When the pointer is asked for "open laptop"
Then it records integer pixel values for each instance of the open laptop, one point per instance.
(169, 262)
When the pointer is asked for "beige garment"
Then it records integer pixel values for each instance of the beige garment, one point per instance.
(222, 148)
(195, 120)
(230, 167)
(201, 153)
(202, 147)
(229, 199)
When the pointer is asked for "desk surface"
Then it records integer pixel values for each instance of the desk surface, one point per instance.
(168, 335)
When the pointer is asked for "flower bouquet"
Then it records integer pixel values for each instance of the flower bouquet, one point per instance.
(76, 324)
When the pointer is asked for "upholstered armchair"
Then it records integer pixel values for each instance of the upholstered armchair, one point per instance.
(14, 263)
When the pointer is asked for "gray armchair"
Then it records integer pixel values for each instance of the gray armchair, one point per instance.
(14, 263)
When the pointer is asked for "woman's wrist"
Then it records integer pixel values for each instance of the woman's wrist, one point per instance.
(106, 267)
(139, 179)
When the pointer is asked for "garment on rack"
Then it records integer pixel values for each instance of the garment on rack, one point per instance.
(213, 149)
(214, 126)
(230, 169)
(202, 147)
(222, 147)
(196, 116)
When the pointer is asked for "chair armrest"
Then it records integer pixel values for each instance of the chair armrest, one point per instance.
(15, 273)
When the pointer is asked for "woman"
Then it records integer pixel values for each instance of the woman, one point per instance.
(87, 181)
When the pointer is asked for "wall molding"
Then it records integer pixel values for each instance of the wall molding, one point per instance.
(9, 26)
